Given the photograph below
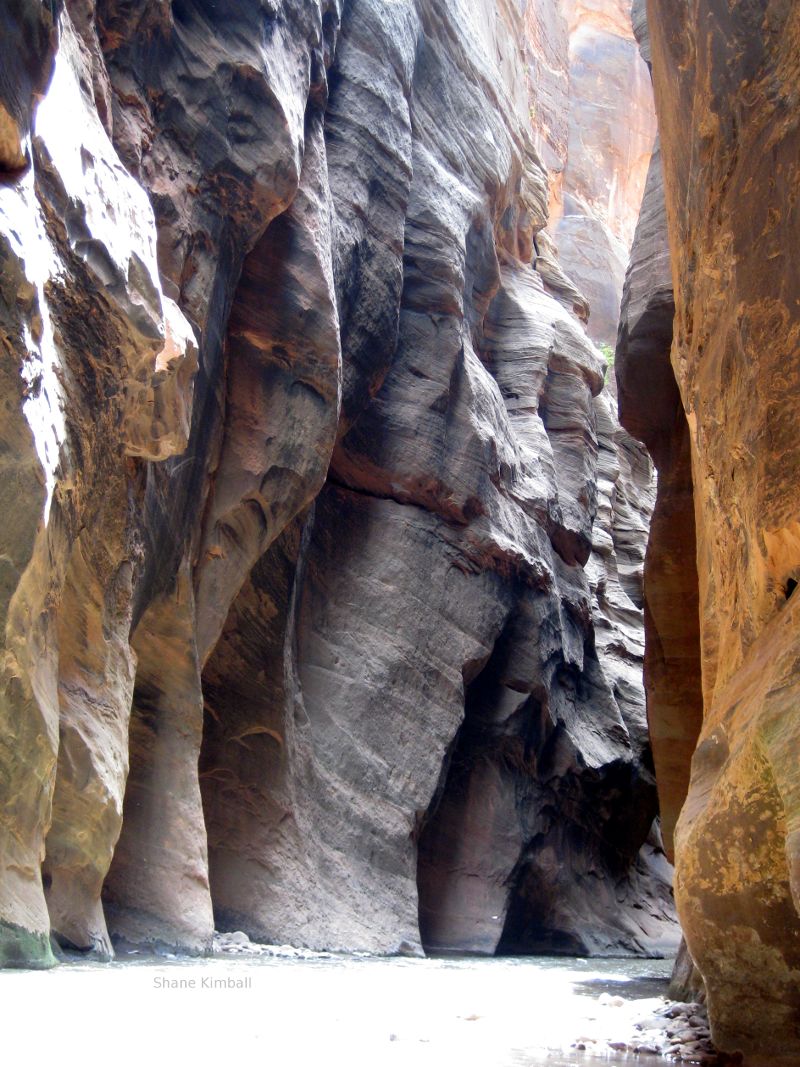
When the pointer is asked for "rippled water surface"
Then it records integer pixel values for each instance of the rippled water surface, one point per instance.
(342, 1010)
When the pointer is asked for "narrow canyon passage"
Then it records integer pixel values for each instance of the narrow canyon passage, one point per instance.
(398, 536)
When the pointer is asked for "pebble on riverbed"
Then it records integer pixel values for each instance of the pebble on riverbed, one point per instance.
(677, 1031)
(688, 1035)
(238, 943)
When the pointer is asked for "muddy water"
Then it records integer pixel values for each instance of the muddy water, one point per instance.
(330, 1011)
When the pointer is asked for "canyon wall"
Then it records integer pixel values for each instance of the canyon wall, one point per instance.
(724, 559)
(322, 546)
(594, 123)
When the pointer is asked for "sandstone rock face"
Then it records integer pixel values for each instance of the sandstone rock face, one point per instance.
(727, 82)
(594, 125)
(323, 610)
(95, 347)
(650, 408)
(612, 117)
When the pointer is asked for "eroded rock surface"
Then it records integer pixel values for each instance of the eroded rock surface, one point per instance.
(96, 346)
(594, 123)
(650, 408)
(726, 79)
(326, 588)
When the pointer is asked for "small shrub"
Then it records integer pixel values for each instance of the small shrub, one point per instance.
(608, 353)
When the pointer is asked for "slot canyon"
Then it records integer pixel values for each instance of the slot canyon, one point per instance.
(397, 399)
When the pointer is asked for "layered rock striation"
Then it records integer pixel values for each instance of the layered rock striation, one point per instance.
(322, 545)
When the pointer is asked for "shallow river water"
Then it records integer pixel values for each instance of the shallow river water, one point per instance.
(341, 1010)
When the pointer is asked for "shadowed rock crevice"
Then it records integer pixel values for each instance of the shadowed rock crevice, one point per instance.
(523, 848)
(249, 745)
(468, 839)
(368, 140)
(651, 410)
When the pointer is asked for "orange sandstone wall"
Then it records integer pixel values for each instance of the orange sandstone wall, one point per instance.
(727, 87)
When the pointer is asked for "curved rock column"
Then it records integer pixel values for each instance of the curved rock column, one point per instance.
(99, 349)
(727, 81)
(650, 408)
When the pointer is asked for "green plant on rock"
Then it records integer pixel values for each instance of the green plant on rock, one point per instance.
(608, 353)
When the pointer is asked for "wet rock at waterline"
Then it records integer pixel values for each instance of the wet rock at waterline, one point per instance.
(322, 545)
(678, 1032)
